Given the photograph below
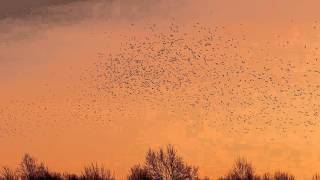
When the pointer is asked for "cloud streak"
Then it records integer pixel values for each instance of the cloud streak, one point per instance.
(22, 8)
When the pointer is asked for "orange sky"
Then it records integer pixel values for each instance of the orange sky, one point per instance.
(57, 104)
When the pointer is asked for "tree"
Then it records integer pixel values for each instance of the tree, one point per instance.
(283, 176)
(9, 174)
(206, 178)
(266, 176)
(242, 170)
(165, 164)
(139, 173)
(316, 177)
(28, 167)
(70, 176)
(31, 170)
(94, 172)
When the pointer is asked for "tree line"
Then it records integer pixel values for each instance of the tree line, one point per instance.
(160, 164)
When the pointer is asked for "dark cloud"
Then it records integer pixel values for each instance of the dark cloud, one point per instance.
(125, 8)
(23, 8)
(37, 15)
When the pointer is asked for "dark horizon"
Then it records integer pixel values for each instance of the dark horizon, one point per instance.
(164, 163)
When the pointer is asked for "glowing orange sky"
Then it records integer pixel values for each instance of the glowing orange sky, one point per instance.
(50, 106)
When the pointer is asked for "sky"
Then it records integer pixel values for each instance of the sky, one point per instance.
(103, 81)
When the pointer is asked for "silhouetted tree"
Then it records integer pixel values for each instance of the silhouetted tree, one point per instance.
(283, 176)
(206, 178)
(70, 176)
(139, 173)
(29, 169)
(266, 176)
(162, 164)
(242, 170)
(316, 177)
(165, 164)
(94, 172)
(8, 174)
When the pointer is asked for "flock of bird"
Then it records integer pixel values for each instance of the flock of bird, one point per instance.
(231, 84)
(201, 75)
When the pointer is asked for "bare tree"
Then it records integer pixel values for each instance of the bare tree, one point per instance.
(30, 169)
(266, 176)
(283, 176)
(242, 170)
(139, 173)
(165, 164)
(95, 172)
(70, 176)
(9, 174)
(316, 177)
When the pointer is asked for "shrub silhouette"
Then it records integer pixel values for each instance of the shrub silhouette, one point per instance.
(95, 172)
(242, 170)
(164, 164)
